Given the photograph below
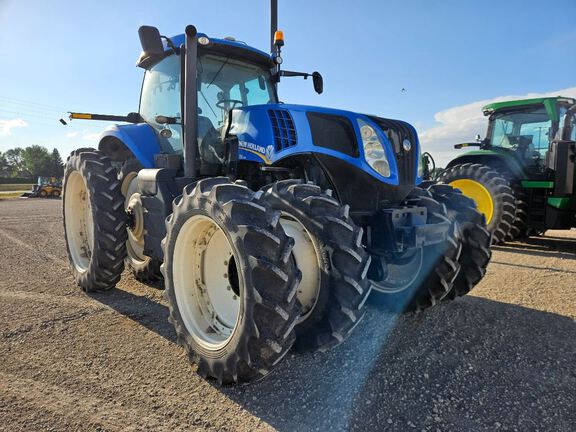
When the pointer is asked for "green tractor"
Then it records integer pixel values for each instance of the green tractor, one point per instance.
(523, 176)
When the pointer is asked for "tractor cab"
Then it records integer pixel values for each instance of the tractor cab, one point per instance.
(525, 129)
(229, 75)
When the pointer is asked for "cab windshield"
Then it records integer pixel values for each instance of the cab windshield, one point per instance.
(225, 83)
(528, 129)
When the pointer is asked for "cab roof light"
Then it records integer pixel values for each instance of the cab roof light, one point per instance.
(279, 38)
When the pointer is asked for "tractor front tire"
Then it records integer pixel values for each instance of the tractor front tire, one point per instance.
(330, 255)
(429, 271)
(473, 234)
(94, 220)
(491, 192)
(230, 281)
(144, 268)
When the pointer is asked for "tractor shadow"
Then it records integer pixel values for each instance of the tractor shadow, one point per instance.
(144, 310)
(471, 364)
(549, 247)
(465, 365)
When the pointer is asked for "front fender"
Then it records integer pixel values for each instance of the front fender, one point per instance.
(492, 159)
(140, 139)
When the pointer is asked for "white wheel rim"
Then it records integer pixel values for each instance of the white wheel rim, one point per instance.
(208, 297)
(307, 260)
(401, 276)
(79, 223)
(132, 201)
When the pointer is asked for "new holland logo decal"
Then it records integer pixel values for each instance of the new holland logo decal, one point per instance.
(264, 153)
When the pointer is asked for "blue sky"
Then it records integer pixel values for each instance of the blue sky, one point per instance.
(58, 56)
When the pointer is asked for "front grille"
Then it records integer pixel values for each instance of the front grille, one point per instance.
(333, 132)
(397, 131)
(283, 129)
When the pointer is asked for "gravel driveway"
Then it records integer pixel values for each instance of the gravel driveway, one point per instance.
(501, 359)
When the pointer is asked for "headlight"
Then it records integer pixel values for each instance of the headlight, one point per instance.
(374, 152)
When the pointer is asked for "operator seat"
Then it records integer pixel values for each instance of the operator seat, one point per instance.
(211, 148)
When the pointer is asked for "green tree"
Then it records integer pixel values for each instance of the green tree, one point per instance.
(56, 164)
(4, 167)
(14, 161)
(36, 160)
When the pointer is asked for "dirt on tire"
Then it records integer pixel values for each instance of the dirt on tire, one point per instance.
(501, 358)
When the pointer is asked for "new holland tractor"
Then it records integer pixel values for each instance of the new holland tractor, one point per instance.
(522, 178)
(270, 223)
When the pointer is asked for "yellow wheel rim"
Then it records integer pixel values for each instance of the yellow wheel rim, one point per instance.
(479, 194)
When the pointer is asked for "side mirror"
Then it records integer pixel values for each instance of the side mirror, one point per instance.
(478, 137)
(152, 47)
(150, 40)
(318, 82)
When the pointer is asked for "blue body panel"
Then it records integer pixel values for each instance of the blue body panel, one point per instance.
(253, 128)
(139, 138)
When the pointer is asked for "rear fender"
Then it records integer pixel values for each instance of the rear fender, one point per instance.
(119, 142)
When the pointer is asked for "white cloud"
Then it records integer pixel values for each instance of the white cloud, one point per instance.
(86, 135)
(462, 123)
(91, 136)
(6, 126)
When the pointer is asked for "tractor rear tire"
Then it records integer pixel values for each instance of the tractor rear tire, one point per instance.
(330, 255)
(56, 193)
(473, 234)
(94, 220)
(144, 268)
(230, 281)
(438, 269)
(491, 192)
(519, 228)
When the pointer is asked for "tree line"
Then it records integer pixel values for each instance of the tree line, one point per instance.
(31, 162)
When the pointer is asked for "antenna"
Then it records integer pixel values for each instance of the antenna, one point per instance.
(273, 23)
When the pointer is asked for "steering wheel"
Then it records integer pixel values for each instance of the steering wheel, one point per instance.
(221, 103)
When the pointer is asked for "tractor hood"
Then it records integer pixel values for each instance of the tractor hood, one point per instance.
(273, 132)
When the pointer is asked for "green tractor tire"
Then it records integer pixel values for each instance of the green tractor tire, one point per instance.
(490, 191)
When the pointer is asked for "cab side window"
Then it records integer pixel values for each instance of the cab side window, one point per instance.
(161, 96)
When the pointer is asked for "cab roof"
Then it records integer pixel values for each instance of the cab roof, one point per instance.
(179, 40)
(548, 102)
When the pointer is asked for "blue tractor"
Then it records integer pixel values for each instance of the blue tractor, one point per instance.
(270, 224)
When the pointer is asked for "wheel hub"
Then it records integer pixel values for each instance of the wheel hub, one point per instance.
(480, 195)
(79, 224)
(306, 257)
(400, 271)
(206, 283)
(135, 214)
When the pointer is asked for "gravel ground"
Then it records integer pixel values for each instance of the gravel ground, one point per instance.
(500, 359)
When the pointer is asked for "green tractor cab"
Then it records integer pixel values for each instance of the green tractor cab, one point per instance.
(522, 177)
